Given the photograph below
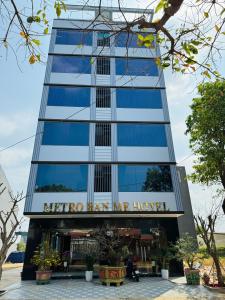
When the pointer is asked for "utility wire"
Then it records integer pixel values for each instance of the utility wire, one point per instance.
(190, 155)
(70, 116)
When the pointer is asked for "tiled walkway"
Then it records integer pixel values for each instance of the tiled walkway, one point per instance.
(147, 288)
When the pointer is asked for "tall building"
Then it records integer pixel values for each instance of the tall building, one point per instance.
(103, 152)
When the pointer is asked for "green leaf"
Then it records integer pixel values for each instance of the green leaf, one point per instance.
(165, 65)
(36, 42)
(46, 30)
(190, 61)
(217, 28)
(196, 43)
(92, 60)
(37, 19)
(160, 6)
(140, 37)
(206, 14)
(222, 12)
(206, 73)
(57, 9)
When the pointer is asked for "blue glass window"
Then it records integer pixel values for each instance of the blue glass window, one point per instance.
(147, 135)
(138, 98)
(69, 96)
(61, 178)
(73, 37)
(123, 39)
(136, 66)
(144, 178)
(66, 133)
(71, 64)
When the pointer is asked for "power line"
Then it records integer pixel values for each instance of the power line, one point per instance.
(92, 103)
(70, 116)
(190, 155)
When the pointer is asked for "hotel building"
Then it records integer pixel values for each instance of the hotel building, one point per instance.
(103, 151)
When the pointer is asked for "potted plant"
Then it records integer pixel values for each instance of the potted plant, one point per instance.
(165, 256)
(44, 258)
(90, 260)
(111, 269)
(66, 260)
(187, 251)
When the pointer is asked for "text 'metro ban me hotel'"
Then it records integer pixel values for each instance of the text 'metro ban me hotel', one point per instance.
(103, 152)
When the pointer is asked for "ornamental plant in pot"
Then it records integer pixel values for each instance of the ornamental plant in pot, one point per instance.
(166, 255)
(44, 258)
(90, 253)
(90, 260)
(111, 269)
(187, 251)
(66, 260)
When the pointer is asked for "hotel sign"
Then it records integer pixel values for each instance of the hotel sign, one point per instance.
(75, 207)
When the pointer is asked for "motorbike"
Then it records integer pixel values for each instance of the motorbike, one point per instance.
(132, 272)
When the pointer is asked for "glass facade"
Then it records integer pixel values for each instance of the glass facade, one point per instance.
(73, 37)
(136, 66)
(66, 133)
(69, 96)
(146, 135)
(123, 39)
(71, 64)
(138, 98)
(61, 178)
(144, 178)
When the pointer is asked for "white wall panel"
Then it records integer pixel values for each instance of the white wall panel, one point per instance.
(144, 154)
(103, 153)
(133, 114)
(63, 153)
(100, 198)
(135, 52)
(142, 197)
(119, 51)
(73, 49)
(40, 198)
(103, 113)
(70, 78)
(71, 113)
(79, 24)
(137, 81)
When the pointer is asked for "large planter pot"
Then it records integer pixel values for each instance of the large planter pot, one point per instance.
(88, 275)
(165, 274)
(192, 276)
(110, 275)
(43, 277)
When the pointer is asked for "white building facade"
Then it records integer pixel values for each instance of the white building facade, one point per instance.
(103, 150)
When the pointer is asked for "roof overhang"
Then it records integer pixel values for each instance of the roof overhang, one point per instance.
(89, 215)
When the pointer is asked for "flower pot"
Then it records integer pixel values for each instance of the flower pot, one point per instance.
(89, 275)
(192, 276)
(165, 274)
(65, 263)
(110, 275)
(43, 277)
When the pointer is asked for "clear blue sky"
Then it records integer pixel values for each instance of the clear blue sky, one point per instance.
(20, 99)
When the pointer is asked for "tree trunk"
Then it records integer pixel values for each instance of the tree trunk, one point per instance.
(218, 270)
(1, 263)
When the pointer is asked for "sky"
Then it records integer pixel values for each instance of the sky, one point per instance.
(20, 96)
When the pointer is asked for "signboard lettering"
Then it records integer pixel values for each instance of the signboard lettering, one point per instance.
(75, 207)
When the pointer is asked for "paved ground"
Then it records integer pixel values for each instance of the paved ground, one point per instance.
(147, 288)
(10, 276)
